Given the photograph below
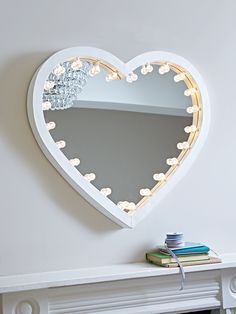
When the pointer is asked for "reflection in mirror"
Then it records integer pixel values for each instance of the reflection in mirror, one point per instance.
(125, 135)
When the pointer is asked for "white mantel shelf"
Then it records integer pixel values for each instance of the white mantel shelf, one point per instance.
(118, 289)
(64, 278)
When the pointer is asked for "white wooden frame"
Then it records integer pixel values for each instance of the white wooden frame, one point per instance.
(60, 162)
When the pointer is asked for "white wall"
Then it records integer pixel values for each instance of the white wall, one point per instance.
(44, 223)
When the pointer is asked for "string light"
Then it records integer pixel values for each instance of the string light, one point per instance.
(145, 192)
(172, 161)
(106, 191)
(61, 144)
(164, 68)
(76, 64)
(90, 176)
(146, 68)
(59, 70)
(75, 161)
(51, 125)
(112, 76)
(190, 129)
(183, 145)
(46, 105)
(126, 205)
(179, 77)
(159, 177)
(95, 69)
(132, 77)
(192, 109)
(49, 85)
(190, 91)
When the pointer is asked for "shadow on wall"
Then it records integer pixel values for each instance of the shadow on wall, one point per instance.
(15, 130)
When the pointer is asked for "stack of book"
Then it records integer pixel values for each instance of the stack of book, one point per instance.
(188, 255)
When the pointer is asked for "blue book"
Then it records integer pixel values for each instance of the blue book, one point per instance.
(188, 248)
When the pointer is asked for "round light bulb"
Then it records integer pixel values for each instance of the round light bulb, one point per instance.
(51, 125)
(121, 205)
(95, 69)
(145, 192)
(46, 105)
(190, 129)
(111, 76)
(172, 161)
(75, 161)
(149, 67)
(59, 70)
(90, 176)
(134, 77)
(192, 109)
(61, 144)
(144, 70)
(131, 206)
(129, 79)
(179, 77)
(159, 177)
(76, 64)
(190, 91)
(184, 145)
(106, 191)
(164, 69)
(49, 85)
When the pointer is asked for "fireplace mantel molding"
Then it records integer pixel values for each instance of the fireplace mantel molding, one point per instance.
(127, 288)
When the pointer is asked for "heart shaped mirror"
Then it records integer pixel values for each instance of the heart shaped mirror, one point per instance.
(118, 132)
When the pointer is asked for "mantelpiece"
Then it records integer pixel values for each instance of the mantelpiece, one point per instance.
(128, 288)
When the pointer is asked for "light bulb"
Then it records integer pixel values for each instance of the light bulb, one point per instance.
(129, 79)
(131, 206)
(179, 77)
(46, 105)
(106, 191)
(126, 205)
(172, 161)
(144, 70)
(184, 145)
(149, 67)
(190, 129)
(121, 205)
(51, 125)
(190, 91)
(95, 69)
(90, 176)
(145, 192)
(75, 161)
(77, 64)
(61, 144)
(134, 77)
(192, 109)
(159, 177)
(49, 85)
(164, 68)
(111, 76)
(59, 70)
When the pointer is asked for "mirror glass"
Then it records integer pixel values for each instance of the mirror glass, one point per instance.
(120, 131)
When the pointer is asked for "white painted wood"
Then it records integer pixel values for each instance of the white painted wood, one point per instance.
(144, 295)
(60, 162)
(228, 281)
(130, 288)
(31, 302)
(101, 274)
